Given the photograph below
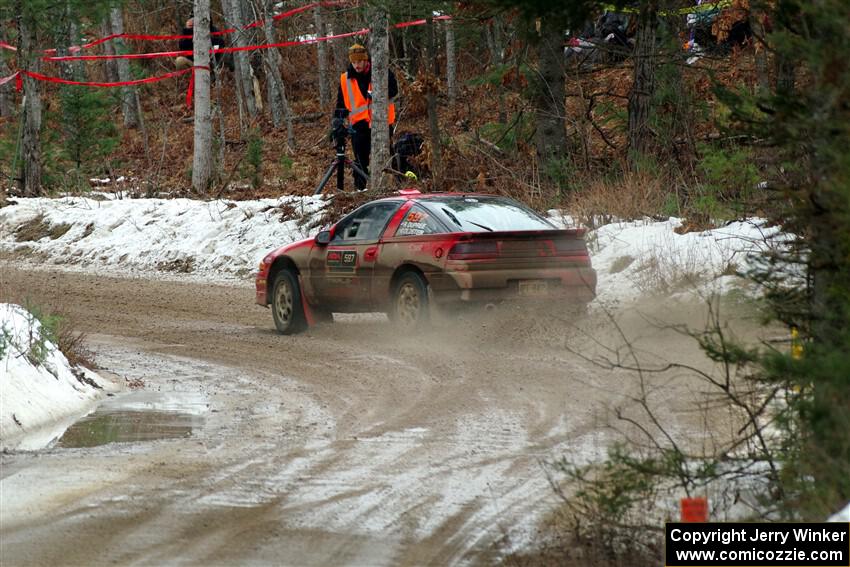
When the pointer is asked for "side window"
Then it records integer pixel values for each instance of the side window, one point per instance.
(366, 223)
(418, 221)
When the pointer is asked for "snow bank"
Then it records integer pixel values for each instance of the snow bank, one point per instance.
(638, 258)
(221, 239)
(40, 394)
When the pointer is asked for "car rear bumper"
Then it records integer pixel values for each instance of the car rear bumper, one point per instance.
(576, 285)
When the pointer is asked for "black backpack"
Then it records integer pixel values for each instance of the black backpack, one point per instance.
(408, 144)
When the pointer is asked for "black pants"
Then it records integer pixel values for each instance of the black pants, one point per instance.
(361, 145)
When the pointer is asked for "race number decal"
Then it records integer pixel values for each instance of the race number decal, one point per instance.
(342, 260)
(414, 224)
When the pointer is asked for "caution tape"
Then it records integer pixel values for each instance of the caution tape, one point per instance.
(41, 77)
(49, 79)
(160, 54)
(150, 37)
(420, 22)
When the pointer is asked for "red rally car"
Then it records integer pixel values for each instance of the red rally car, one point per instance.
(403, 253)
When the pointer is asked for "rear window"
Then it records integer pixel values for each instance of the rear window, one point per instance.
(485, 214)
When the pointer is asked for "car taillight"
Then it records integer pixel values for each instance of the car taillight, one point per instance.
(570, 246)
(475, 250)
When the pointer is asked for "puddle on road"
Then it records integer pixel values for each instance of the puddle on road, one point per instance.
(137, 417)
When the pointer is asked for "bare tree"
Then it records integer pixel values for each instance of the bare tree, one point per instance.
(339, 49)
(69, 35)
(274, 80)
(757, 18)
(129, 96)
(110, 65)
(643, 85)
(451, 61)
(379, 44)
(549, 94)
(242, 67)
(7, 93)
(202, 156)
(30, 176)
(431, 102)
(322, 57)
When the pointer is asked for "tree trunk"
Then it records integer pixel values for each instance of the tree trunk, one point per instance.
(379, 45)
(757, 18)
(30, 176)
(70, 36)
(276, 87)
(242, 71)
(643, 85)
(451, 62)
(431, 102)
(129, 96)
(550, 137)
(493, 34)
(110, 65)
(202, 156)
(785, 75)
(339, 46)
(322, 57)
(7, 91)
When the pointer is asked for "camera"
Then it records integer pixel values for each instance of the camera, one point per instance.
(338, 130)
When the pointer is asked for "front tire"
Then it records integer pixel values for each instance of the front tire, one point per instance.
(287, 309)
(410, 307)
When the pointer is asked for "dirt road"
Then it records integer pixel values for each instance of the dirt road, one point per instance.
(348, 444)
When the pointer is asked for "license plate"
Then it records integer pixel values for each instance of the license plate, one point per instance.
(533, 288)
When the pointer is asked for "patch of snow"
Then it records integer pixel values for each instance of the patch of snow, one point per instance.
(224, 240)
(841, 515)
(40, 394)
(637, 258)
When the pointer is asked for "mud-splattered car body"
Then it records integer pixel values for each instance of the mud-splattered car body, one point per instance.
(402, 253)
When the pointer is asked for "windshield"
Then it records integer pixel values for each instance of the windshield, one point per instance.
(486, 214)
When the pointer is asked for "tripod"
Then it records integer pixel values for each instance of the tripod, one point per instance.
(338, 164)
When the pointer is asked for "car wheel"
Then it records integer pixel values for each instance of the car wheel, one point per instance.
(410, 301)
(287, 310)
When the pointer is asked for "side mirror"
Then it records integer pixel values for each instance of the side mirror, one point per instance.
(323, 238)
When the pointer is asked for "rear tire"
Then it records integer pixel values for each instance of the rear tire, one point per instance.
(410, 307)
(287, 309)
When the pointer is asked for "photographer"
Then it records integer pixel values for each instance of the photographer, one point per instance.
(354, 101)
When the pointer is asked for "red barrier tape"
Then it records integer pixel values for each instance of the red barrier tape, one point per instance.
(190, 53)
(191, 89)
(5, 80)
(148, 37)
(159, 54)
(189, 94)
(120, 56)
(48, 79)
(420, 22)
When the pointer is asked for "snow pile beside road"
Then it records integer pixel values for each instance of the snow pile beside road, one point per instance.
(633, 259)
(221, 239)
(40, 394)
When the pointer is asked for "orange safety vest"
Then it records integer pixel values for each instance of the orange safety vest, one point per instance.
(359, 107)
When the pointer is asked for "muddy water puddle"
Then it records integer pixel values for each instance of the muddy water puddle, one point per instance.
(138, 417)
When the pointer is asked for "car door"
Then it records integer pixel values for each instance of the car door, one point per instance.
(341, 272)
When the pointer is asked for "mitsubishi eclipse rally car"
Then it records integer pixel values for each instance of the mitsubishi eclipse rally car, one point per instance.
(402, 253)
